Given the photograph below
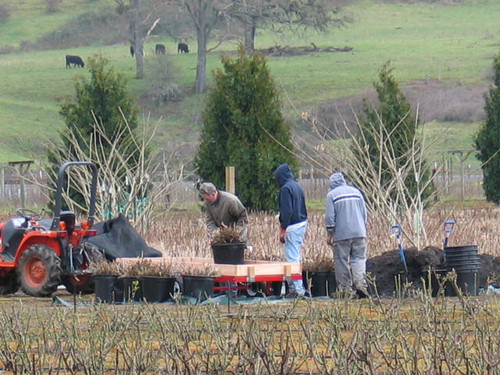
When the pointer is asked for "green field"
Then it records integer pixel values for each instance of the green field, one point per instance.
(450, 45)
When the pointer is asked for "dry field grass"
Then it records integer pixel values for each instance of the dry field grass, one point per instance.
(184, 233)
(419, 335)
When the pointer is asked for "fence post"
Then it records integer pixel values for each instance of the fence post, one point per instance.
(230, 180)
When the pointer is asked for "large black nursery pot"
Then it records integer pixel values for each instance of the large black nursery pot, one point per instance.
(105, 288)
(229, 253)
(320, 283)
(131, 289)
(466, 263)
(199, 287)
(157, 289)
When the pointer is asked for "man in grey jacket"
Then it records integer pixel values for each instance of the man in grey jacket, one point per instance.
(223, 209)
(345, 217)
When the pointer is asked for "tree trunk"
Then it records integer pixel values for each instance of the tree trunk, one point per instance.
(135, 39)
(201, 66)
(250, 36)
(139, 58)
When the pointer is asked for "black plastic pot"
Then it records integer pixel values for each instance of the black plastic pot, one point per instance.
(157, 289)
(466, 263)
(321, 283)
(229, 253)
(105, 288)
(199, 287)
(131, 289)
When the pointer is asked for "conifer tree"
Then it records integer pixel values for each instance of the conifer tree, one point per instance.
(487, 139)
(243, 127)
(102, 98)
(393, 118)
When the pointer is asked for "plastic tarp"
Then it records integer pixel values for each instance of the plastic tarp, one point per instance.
(117, 238)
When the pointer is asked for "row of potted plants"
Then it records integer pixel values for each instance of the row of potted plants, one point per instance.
(147, 280)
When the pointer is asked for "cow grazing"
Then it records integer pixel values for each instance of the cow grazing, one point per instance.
(160, 49)
(182, 48)
(75, 60)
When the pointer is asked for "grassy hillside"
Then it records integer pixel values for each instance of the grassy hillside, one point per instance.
(432, 46)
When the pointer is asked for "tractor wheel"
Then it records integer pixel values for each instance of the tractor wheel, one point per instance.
(9, 284)
(39, 271)
(83, 284)
(256, 290)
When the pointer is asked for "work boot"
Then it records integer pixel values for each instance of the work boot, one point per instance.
(361, 294)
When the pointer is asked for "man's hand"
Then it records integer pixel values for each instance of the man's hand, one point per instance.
(329, 238)
(282, 235)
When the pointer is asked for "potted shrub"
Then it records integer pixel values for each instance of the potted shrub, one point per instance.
(129, 281)
(105, 275)
(319, 275)
(198, 280)
(158, 281)
(227, 247)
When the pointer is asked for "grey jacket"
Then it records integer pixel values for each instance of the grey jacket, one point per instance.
(345, 211)
(227, 211)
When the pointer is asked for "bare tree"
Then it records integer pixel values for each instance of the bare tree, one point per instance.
(389, 200)
(206, 15)
(131, 190)
(142, 22)
(318, 14)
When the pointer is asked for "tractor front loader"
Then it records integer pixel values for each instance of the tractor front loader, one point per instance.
(38, 254)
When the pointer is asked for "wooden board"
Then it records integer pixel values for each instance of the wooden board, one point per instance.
(251, 268)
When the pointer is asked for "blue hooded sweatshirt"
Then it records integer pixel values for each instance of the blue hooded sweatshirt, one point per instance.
(291, 199)
(345, 211)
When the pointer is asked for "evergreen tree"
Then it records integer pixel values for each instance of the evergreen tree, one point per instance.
(399, 129)
(487, 139)
(243, 127)
(103, 98)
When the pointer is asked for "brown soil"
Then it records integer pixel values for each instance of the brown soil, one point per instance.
(386, 267)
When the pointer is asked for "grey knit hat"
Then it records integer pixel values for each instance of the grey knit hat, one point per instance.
(207, 188)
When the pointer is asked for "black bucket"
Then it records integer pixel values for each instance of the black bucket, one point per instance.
(131, 289)
(157, 289)
(322, 283)
(229, 253)
(105, 290)
(199, 287)
(467, 282)
(464, 260)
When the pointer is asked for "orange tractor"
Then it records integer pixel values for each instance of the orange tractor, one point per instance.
(38, 254)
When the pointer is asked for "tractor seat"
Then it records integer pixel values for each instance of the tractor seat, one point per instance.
(13, 233)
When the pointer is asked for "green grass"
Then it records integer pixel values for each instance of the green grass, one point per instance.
(449, 44)
(443, 137)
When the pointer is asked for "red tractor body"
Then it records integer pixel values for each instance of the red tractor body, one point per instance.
(39, 254)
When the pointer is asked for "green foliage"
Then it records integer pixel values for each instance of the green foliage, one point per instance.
(244, 127)
(103, 99)
(393, 118)
(487, 139)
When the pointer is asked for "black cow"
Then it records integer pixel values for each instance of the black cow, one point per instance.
(182, 48)
(75, 60)
(160, 49)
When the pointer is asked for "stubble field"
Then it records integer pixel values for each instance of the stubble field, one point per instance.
(414, 335)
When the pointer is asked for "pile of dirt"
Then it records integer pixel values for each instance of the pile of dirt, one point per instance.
(385, 268)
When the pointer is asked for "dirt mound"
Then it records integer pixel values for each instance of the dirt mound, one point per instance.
(385, 268)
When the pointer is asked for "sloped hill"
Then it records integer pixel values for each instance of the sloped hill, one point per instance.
(441, 52)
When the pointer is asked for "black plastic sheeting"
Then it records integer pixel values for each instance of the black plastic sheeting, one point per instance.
(117, 238)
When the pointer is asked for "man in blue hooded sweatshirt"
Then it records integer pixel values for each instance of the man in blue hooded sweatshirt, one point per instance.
(345, 217)
(293, 220)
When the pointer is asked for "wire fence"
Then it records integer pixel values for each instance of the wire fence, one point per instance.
(463, 184)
